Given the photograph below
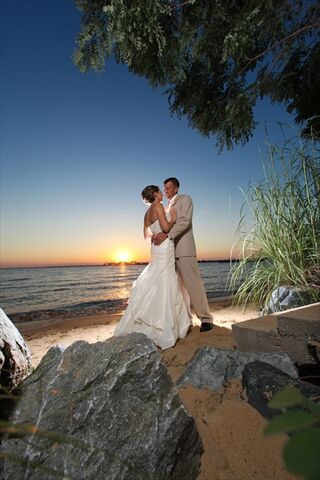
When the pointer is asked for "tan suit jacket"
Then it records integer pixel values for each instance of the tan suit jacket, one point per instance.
(181, 232)
(186, 261)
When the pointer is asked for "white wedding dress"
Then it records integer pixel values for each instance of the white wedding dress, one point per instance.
(156, 305)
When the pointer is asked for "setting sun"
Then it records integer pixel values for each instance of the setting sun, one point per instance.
(123, 256)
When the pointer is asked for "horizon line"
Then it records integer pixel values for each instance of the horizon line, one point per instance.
(224, 260)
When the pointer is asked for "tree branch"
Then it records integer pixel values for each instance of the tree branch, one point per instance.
(294, 34)
(181, 4)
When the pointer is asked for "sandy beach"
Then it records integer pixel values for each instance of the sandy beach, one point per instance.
(42, 335)
(231, 430)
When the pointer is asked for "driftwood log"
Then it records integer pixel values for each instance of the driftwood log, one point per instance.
(15, 357)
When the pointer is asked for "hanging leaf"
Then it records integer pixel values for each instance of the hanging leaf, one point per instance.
(302, 454)
(286, 398)
(289, 422)
(215, 59)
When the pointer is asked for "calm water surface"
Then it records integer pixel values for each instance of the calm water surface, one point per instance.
(42, 293)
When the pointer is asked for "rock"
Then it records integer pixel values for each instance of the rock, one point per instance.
(314, 349)
(286, 297)
(299, 332)
(15, 357)
(262, 381)
(212, 367)
(116, 400)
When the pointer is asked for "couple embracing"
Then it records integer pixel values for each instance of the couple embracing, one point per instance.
(159, 304)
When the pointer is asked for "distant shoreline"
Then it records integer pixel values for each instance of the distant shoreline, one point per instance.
(110, 264)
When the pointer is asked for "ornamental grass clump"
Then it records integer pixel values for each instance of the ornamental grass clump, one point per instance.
(283, 245)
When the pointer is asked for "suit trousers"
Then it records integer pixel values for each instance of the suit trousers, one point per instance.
(189, 271)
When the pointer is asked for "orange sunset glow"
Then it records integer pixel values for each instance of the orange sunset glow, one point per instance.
(123, 255)
(97, 252)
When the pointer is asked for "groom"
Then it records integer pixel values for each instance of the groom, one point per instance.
(185, 251)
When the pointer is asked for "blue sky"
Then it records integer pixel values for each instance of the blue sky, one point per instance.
(76, 150)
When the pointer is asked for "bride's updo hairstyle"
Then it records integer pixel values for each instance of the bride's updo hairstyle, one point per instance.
(148, 193)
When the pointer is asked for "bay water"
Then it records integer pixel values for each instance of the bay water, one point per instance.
(28, 294)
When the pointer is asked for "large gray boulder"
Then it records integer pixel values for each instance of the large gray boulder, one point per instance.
(262, 381)
(286, 297)
(211, 367)
(117, 405)
(15, 357)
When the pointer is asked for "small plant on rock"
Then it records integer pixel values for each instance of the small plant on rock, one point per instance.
(300, 419)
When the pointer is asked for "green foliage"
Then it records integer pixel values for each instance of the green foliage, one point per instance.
(290, 422)
(215, 58)
(286, 398)
(301, 452)
(284, 241)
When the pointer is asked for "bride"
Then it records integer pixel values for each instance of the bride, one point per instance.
(156, 305)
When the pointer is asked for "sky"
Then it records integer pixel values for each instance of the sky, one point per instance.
(78, 149)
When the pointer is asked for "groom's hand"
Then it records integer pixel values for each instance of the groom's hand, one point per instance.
(160, 237)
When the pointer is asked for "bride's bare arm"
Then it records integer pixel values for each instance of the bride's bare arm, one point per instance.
(147, 233)
(146, 230)
(164, 224)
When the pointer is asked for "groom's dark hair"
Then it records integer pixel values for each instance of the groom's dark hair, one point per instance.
(174, 180)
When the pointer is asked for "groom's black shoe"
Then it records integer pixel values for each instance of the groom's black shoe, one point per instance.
(205, 327)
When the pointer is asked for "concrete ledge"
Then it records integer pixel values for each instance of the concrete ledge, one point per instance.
(310, 312)
(258, 335)
(295, 332)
